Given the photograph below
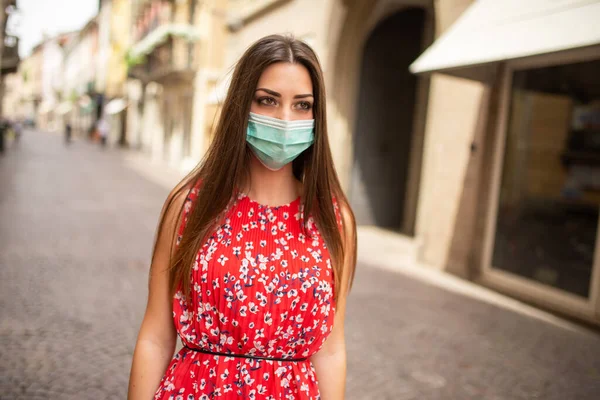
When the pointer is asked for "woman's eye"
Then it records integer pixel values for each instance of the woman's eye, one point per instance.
(304, 105)
(267, 101)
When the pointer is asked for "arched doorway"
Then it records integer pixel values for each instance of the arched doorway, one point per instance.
(384, 132)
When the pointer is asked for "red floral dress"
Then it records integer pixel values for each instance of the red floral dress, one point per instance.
(261, 287)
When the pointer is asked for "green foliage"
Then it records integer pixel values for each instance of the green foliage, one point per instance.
(132, 61)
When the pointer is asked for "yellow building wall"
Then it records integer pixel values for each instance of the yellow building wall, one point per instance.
(455, 106)
(120, 26)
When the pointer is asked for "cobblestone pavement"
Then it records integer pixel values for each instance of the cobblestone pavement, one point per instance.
(76, 233)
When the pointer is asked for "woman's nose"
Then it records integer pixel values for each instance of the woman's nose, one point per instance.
(284, 114)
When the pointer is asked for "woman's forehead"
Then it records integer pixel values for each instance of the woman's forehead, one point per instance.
(286, 78)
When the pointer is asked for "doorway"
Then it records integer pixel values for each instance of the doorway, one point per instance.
(385, 118)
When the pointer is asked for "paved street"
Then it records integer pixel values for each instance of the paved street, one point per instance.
(76, 230)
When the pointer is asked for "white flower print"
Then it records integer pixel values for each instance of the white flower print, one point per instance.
(280, 371)
(241, 296)
(268, 319)
(225, 374)
(222, 260)
(253, 308)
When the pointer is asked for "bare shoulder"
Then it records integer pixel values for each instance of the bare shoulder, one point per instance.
(174, 204)
(174, 209)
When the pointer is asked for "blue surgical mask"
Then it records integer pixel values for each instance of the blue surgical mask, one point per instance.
(276, 142)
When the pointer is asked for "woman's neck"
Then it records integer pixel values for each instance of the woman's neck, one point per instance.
(272, 187)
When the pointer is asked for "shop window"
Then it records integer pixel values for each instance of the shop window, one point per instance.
(547, 219)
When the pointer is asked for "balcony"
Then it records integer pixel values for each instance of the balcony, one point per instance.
(149, 15)
(167, 53)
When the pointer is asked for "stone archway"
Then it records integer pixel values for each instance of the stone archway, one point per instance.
(383, 131)
(363, 42)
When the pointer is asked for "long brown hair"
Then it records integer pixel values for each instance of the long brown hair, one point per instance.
(225, 165)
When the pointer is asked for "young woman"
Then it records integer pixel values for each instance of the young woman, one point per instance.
(255, 250)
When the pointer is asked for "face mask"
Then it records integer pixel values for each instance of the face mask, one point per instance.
(276, 142)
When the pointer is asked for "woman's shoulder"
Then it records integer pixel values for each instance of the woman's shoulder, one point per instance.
(179, 200)
(184, 191)
(179, 203)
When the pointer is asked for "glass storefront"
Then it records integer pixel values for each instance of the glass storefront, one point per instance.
(547, 223)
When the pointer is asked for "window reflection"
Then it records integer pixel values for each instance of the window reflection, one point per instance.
(550, 191)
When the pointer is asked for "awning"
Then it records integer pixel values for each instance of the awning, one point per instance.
(115, 106)
(490, 31)
(64, 107)
(45, 107)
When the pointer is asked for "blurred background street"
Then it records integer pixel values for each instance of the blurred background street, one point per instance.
(466, 134)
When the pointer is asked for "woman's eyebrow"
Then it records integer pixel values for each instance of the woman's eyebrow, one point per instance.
(271, 92)
(274, 93)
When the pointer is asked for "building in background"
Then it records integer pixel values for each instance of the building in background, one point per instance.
(53, 62)
(31, 88)
(9, 46)
(525, 218)
(175, 51)
(115, 17)
(11, 101)
(35, 90)
(78, 84)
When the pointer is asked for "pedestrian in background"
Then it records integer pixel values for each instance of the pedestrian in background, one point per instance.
(3, 129)
(18, 128)
(255, 250)
(68, 132)
(103, 130)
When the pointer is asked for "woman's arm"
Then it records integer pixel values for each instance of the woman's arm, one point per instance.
(330, 360)
(157, 337)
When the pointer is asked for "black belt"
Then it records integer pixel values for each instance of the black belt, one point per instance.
(216, 353)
